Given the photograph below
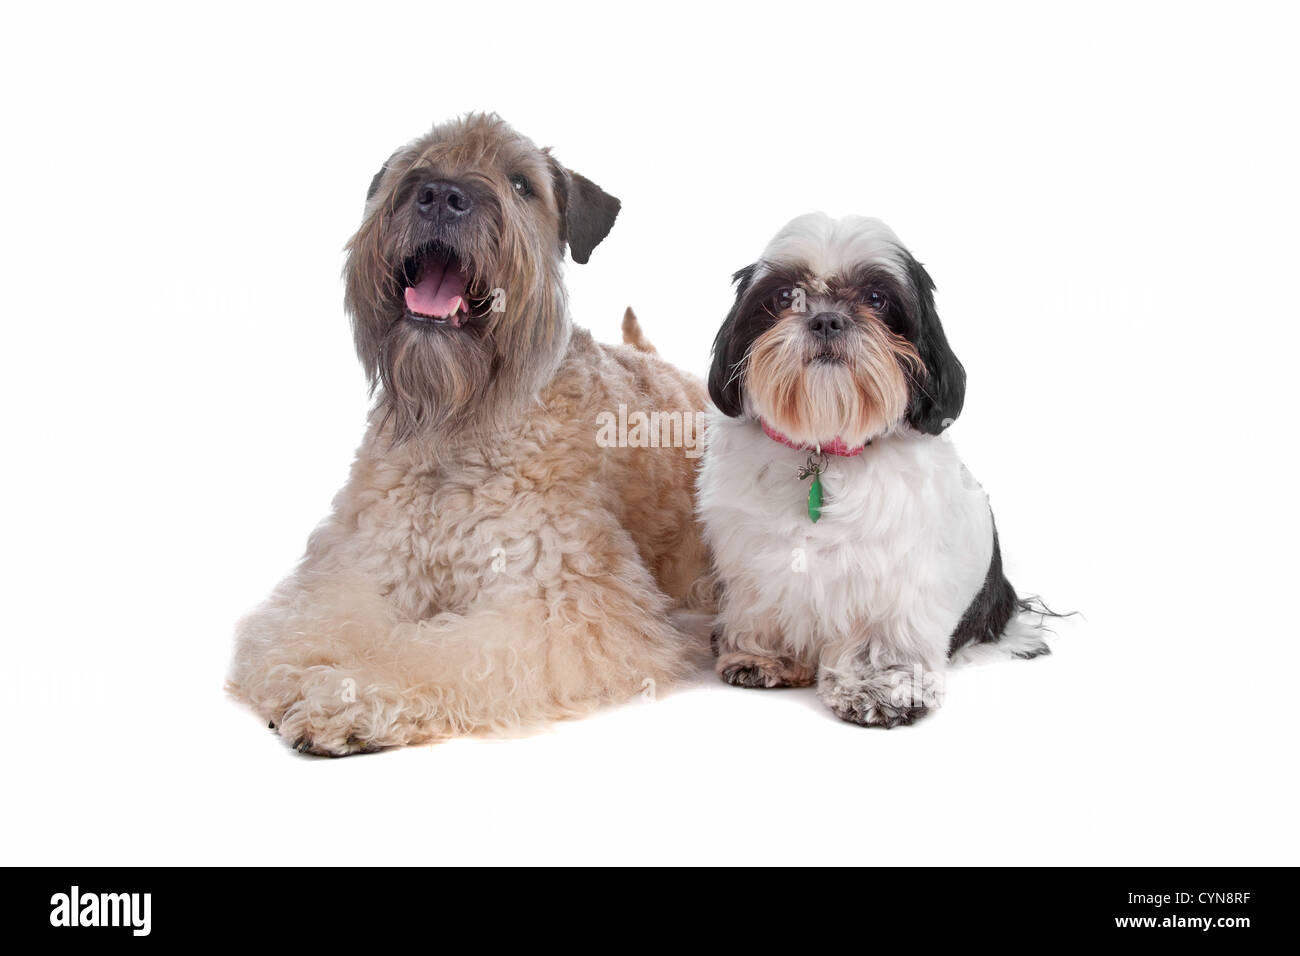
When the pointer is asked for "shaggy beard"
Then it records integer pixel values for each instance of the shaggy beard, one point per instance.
(433, 379)
(447, 383)
(861, 393)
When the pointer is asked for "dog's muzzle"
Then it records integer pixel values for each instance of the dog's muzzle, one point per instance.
(435, 279)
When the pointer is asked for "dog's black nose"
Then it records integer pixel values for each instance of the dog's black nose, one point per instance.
(442, 197)
(827, 325)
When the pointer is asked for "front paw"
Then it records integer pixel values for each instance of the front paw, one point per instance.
(751, 670)
(867, 704)
(321, 736)
(326, 713)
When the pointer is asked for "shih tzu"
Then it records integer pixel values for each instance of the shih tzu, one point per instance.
(853, 548)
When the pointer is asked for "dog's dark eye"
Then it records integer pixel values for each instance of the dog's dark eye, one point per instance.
(521, 184)
(873, 299)
(783, 299)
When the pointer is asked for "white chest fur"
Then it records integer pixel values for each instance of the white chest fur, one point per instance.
(902, 547)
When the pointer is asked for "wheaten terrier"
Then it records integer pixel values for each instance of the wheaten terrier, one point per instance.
(491, 562)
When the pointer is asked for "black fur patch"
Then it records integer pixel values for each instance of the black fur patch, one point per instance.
(728, 349)
(994, 606)
(938, 398)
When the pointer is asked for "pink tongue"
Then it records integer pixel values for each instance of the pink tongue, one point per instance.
(439, 293)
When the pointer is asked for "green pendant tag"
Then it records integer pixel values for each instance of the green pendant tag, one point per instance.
(815, 498)
(813, 469)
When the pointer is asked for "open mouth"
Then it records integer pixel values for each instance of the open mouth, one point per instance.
(437, 287)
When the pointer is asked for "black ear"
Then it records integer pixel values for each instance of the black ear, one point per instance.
(374, 183)
(729, 349)
(938, 397)
(587, 212)
(379, 177)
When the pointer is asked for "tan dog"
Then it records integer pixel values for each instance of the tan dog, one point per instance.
(490, 563)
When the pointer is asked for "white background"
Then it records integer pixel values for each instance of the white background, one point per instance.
(1106, 197)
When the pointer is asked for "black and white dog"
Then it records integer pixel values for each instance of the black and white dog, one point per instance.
(853, 547)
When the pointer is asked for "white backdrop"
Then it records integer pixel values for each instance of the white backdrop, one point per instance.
(1106, 198)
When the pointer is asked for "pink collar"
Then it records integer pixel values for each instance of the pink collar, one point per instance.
(835, 447)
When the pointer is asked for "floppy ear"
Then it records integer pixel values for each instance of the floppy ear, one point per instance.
(936, 399)
(379, 177)
(587, 212)
(729, 349)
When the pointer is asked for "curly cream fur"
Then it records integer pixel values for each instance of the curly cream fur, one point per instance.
(493, 586)
(496, 568)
